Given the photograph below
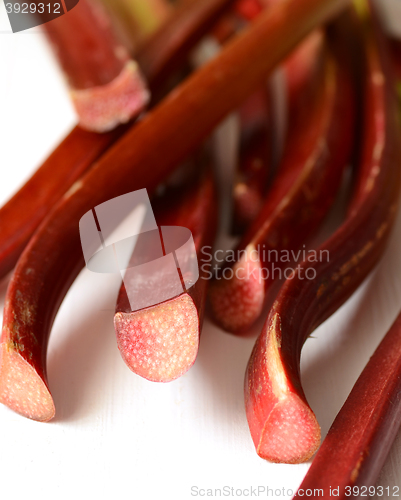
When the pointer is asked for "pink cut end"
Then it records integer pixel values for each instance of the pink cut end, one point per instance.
(103, 108)
(237, 301)
(22, 389)
(159, 343)
(291, 434)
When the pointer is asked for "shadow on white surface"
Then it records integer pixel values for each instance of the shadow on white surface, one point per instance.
(82, 349)
(222, 360)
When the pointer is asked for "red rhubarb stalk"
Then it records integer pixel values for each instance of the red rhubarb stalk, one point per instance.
(21, 216)
(256, 152)
(282, 425)
(106, 84)
(144, 156)
(318, 149)
(354, 451)
(160, 343)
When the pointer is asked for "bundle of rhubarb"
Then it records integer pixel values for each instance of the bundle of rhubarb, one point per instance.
(146, 116)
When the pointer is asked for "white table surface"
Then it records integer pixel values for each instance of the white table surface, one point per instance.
(119, 436)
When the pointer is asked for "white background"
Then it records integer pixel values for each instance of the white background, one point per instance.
(116, 435)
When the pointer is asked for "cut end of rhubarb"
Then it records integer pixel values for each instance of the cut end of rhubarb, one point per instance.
(291, 434)
(283, 427)
(22, 389)
(238, 294)
(101, 109)
(159, 343)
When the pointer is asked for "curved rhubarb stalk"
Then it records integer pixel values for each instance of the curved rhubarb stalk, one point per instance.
(251, 182)
(146, 154)
(23, 213)
(282, 425)
(160, 343)
(318, 149)
(107, 87)
(358, 442)
(256, 143)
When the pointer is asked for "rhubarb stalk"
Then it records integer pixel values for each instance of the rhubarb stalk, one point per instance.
(318, 149)
(282, 425)
(353, 453)
(160, 343)
(106, 85)
(256, 150)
